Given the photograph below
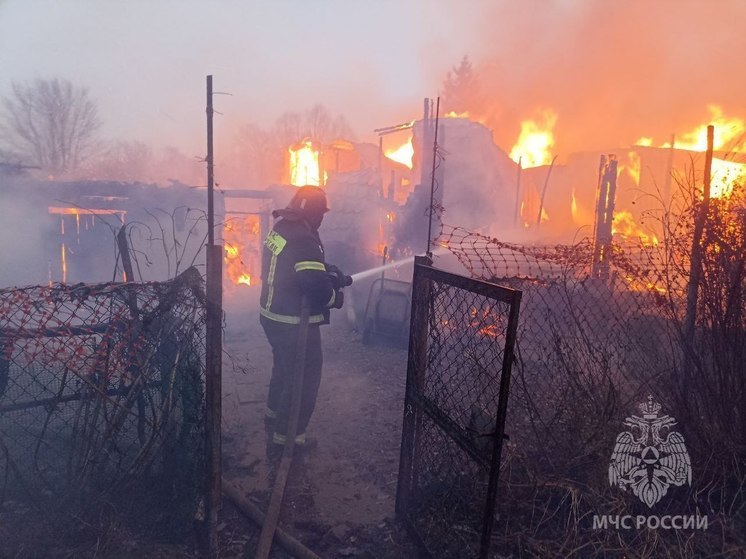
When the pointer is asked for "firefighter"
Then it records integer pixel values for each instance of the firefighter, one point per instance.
(293, 266)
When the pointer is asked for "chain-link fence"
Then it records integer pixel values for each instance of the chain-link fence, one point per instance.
(461, 350)
(102, 411)
(590, 350)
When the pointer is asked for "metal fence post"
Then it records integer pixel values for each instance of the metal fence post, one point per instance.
(416, 362)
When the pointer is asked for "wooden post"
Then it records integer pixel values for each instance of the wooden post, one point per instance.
(602, 229)
(213, 352)
(278, 490)
(210, 168)
(669, 177)
(517, 211)
(124, 253)
(544, 191)
(380, 155)
(432, 182)
(695, 269)
(291, 545)
(424, 141)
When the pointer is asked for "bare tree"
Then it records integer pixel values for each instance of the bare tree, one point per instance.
(261, 153)
(122, 161)
(50, 123)
(288, 129)
(322, 127)
(316, 124)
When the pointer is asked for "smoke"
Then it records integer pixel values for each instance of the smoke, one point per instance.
(612, 72)
(22, 232)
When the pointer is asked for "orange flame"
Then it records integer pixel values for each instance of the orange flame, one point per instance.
(728, 131)
(241, 248)
(530, 207)
(63, 251)
(304, 164)
(729, 134)
(574, 206)
(402, 154)
(624, 226)
(725, 175)
(633, 167)
(535, 141)
(486, 322)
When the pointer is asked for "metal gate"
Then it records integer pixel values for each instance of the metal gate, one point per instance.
(462, 337)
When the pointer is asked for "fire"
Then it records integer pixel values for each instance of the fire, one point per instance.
(574, 206)
(241, 255)
(454, 114)
(624, 226)
(535, 141)
(304, 164)
(529, 209)
(63, 258)
(729, 135)
(728, 131)
(644, 141)
(725, 174)
(403, 154)
(634, 166)
(635, 284)
(82, 211)
(486, 322)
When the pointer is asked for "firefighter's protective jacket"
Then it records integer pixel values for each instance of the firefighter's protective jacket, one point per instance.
(292, 266)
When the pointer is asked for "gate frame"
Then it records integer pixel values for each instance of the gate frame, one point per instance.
(415, 404)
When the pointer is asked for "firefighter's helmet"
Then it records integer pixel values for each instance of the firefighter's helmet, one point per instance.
(309, 201)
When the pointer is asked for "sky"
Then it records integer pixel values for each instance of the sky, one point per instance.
(612, 71)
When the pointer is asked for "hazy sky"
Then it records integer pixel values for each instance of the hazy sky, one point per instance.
(145, 62)
(610, 69)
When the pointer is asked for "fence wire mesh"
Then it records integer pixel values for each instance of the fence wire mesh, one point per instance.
(102, 409)
(591, 347)
(458, 371)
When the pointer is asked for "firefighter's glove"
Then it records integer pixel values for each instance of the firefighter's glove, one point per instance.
(339, 279)
(339, 299)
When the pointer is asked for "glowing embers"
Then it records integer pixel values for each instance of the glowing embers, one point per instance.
(402, 154)
(534, 144)
(488, 322)
(242, 256)
(304, 164)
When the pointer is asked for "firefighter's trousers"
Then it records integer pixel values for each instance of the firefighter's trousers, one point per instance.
(284, 341)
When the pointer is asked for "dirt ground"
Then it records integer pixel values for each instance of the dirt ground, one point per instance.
(340, 495)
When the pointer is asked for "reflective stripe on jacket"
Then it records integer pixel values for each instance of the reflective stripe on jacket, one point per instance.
(292, 266)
